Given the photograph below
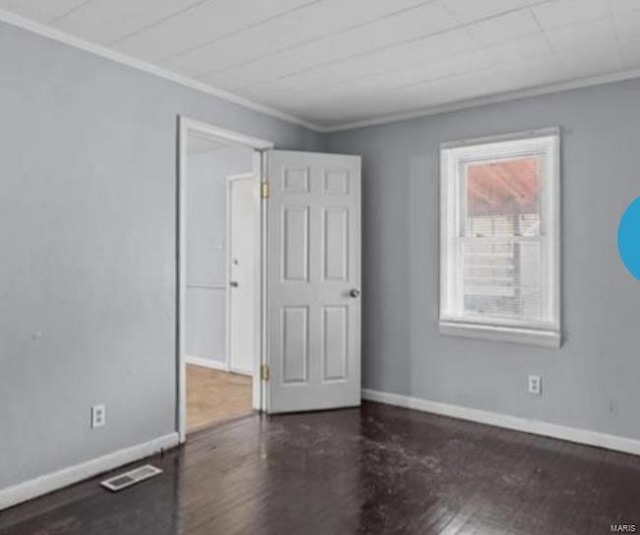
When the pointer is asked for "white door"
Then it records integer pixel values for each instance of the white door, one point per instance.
(242, 203)
(313, 281)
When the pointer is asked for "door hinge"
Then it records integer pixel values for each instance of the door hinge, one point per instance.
(264, 372)
(265, 190)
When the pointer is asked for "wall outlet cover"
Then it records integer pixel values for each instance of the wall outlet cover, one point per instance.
(535, 385)
(98, 416)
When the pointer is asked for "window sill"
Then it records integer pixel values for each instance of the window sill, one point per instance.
(518, 335)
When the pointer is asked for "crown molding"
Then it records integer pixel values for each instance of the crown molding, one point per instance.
(149, 68)
(490, 99)
(99, 50)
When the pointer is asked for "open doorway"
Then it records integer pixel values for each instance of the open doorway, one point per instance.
(304, 340)
(219, 275)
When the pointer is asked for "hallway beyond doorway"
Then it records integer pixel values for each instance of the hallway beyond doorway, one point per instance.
(214, 396)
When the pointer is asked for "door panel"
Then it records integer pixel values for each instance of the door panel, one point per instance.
(295, 344)
(336, 244)
(335, 337)
(295, 243)
(313, 244)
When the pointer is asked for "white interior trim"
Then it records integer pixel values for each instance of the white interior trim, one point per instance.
(149, 68)
(502, 333)
(221, 365)
(241, 176)
(241, 371)
(261, 395)
(454, 320)
(515, 423)
(206, 286)
(209, 131)
(188, 126)
(47, 483)
(499, 138)
(489, 99)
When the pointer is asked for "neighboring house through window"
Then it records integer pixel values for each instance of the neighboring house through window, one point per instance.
(500, 237)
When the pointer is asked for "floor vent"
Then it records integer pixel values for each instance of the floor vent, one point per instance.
(131, 477)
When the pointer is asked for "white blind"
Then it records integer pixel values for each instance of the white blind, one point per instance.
(502, 278)
(500, 240)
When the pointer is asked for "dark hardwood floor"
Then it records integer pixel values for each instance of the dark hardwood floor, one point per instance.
(373, 470)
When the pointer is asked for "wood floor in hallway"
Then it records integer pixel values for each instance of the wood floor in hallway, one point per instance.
(214, 396)
(373, 470)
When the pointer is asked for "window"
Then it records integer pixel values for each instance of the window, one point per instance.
(500, 236)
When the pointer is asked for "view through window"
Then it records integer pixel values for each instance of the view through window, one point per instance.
(500, 231)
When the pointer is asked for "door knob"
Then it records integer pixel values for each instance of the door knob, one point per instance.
(233, 284)
(354, 293)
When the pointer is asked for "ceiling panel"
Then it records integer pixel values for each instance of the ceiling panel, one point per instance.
(504, 28)
(333, 61)
(294, 29)
(398, 78)
(630, 51)
(106, 21)
(466, 11)
(519, 51)
(627, 27)
(384, 62)
(463, 85)
(251, 74)
(438, 92)
(563, 13)
(40, 10)
(204, 23)
(595, 35)
(624, 6)
(451, 89)
(428, 19)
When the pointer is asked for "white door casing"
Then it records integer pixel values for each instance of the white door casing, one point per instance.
(242, 256)
(187, 126)
(313, 277)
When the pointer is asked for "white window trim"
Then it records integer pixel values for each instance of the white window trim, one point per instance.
(542, 334)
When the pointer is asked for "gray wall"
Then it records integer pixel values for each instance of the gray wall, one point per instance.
(88, 279)
(206, 247)
(87, 228)
(591, 382)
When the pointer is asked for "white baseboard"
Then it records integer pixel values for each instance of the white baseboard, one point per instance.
(73, 474)
(571, 434)
(241, 371)
(207, 363)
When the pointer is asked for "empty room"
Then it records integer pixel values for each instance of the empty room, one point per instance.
(319, 267)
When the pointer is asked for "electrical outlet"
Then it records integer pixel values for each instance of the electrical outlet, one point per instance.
(535, 385)
(98, 416)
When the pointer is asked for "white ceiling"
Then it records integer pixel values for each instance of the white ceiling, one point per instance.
(332, 62)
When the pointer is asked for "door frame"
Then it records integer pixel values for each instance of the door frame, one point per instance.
(231, 179)
(187, 126)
